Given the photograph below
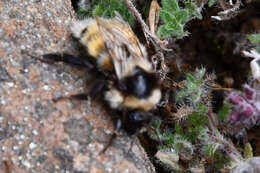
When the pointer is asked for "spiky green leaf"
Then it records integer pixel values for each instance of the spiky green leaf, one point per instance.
(182, 16)
(193, 9)
(163, 32)
(211, 3)
(170, 5)
(168, 18)
(254, 38)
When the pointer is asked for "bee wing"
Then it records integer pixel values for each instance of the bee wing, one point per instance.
(121, 43)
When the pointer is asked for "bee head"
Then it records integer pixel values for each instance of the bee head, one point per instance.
(139, 84)
(135, 120)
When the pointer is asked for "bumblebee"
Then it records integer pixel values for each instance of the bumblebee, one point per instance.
(132, 86)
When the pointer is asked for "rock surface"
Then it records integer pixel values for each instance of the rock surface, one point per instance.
(36, 134)
(250, 166)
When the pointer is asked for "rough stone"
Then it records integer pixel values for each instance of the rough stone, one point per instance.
(37, 134)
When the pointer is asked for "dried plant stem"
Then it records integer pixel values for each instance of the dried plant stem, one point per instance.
(229, 148)
(228, 13)
(222, 4)
(235, 8)
(154, 16)
(159, 44)
(222, 89)
(212, 122)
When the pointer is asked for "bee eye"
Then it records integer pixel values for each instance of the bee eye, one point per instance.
(139, 116)
(136, 85)
(136, 117)
(139, 85)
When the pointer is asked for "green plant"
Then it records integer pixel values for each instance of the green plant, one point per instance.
(107, 8)
(248, 151)
(197, 122)
(255, 40)
(193, 89)
(197, 136)
(223, 114)
(174, 17)
(211, 2)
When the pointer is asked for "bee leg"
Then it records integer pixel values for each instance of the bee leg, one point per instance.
(95, 89)
(66, 58)
(97, 86)
(136, 122)
(81, 96)
(69, 59)
(118, 126)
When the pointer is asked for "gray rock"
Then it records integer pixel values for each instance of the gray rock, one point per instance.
(27, 87)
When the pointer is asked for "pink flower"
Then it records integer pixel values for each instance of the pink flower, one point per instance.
(245, 107)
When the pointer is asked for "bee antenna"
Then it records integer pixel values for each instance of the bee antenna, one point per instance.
(109, 143)
(118, 126)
